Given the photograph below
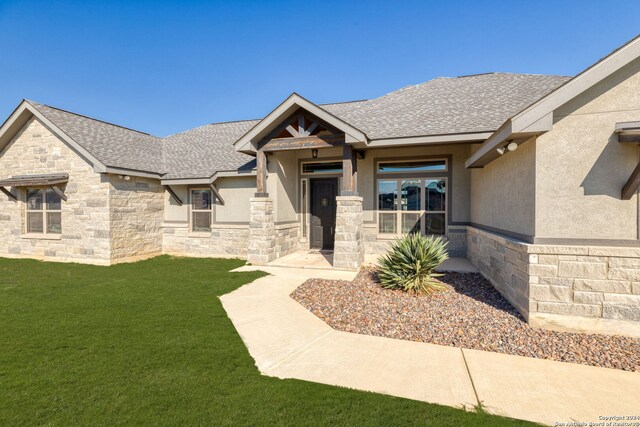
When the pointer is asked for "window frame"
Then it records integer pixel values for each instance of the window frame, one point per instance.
(310, 174)
(422, 177)
(192, 211)
(43, 212)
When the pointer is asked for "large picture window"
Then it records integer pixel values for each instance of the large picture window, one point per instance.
(201, 210)
(412, 204)
(44, 211)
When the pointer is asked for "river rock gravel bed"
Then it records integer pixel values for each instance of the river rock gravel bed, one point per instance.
(470, 314)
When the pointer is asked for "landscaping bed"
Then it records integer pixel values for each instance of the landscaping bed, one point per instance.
(470, 314)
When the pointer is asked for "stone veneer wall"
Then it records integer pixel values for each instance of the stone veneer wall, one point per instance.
(287, 238)
(581, 287)
(456, 237)
(136, 212)
(224, 240)
(348, 244)
(262, 231)
(85, 214)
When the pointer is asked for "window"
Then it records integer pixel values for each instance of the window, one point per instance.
(413, 166)
(410, 204)
(303, 203)
(321, 167)
(201, 210)
(44, 211)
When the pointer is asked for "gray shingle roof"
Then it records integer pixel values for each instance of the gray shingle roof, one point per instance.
(478, 103)
(447, 105)
(113, 145)
(199, 152)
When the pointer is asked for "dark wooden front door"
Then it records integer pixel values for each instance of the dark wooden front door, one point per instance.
(323, 212)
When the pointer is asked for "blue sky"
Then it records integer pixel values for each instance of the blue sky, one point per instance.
(164, 67)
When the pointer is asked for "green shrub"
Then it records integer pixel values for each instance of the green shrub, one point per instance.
(410, 262)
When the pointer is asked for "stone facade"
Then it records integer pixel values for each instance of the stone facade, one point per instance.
(287, 238)
(224, 240)
(85, 214)
(348, 246)
(262, 232)
(136, 212)
(590, 288)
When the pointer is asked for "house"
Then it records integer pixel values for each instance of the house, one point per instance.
(534, 178)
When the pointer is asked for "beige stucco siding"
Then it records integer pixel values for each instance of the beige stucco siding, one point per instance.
(282, 185)
(581, 168)
(236, 192)
(502, 193)
(85, 214)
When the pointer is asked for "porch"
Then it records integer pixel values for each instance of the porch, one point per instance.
(323, 260)
(320, 189)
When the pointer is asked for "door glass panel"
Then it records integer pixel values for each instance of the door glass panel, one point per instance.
(387, 195)
(322, 167)
(434, 223)
(34, 199)
(410, 195)
(410, 223)
(387, 223)
(435, 193)
(54, 222)
(34, 222)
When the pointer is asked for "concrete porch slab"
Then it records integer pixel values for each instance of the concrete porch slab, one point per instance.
(451, 265)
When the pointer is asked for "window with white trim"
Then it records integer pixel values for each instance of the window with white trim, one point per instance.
(412, 204)
(201, 210)
(43, 211)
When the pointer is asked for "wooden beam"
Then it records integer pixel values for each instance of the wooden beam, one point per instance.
(348, 171)
(631, 187)
(217, 194)
(9, 194)
(261, 174)
(312, 127)
(292, 131)
(59, 192)
(302, 143)
(301, 131)
(173, 194)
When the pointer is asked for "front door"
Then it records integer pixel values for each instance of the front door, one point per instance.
(323, 212)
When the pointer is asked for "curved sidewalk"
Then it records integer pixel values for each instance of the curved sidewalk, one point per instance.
(287, 341)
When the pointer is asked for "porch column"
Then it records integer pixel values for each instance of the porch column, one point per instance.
(261, 174)
(348, 250)
(262, 227)
(349, 171)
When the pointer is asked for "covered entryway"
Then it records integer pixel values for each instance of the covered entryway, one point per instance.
(323, 212)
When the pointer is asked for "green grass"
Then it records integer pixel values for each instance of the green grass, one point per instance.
(149, 343)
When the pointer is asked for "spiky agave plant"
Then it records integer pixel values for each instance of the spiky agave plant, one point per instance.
(410, 262)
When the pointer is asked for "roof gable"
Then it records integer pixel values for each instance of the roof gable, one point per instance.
(248, 142)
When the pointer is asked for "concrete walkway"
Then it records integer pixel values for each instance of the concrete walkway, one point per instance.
(287, 341)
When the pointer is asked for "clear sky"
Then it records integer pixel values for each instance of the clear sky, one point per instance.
(164, 67)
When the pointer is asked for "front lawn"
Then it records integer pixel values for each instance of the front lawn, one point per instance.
(149, 343)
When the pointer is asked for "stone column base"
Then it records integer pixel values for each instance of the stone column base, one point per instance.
(348, 250)
(262, 231)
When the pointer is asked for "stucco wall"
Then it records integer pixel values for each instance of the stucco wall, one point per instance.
(136, 210)
(502, 193)
(581, 167)
(85, 214)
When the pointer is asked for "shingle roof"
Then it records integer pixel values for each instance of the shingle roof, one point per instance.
(447, 105)
(479, 103)
(113, 145)
(199, 152)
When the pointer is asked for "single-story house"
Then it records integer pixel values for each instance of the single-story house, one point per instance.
(534, 178)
